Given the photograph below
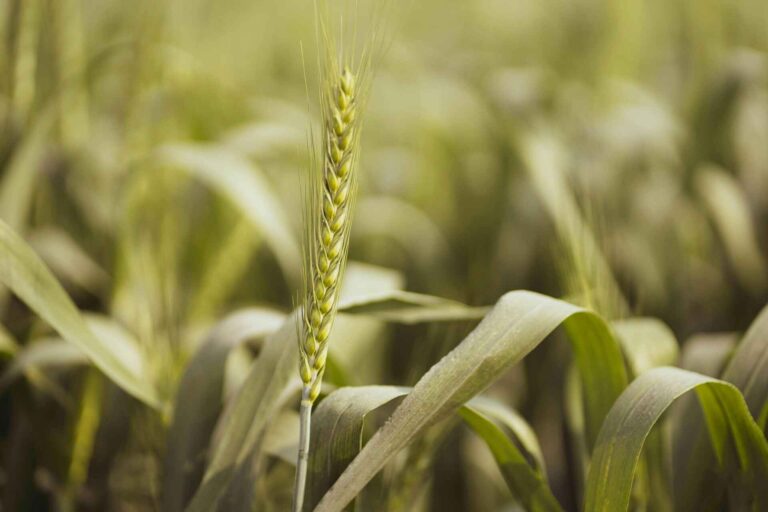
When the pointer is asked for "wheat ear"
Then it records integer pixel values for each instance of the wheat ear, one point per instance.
(328, 222)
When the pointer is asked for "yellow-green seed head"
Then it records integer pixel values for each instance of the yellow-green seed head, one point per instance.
(328, 242)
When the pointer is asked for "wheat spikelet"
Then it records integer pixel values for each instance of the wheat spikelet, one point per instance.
(329, 227)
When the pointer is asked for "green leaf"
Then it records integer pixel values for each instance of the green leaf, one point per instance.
(514, 327)
(68, 260)
(708, 353)
(647, 343)
(729, 208)
(41, 355)
(528, 485)
(338, 435)
(245, 419)
(26, 275)
(409, 308)
(240, 181)
(748, 371)
(8, 344)
(731, 428)
(22, 173)
(199, 401)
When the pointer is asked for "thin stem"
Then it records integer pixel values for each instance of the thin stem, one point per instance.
(305, 418)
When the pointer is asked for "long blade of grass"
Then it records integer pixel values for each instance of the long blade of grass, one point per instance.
(649, 343)
(245, 419)
(239, 180)
(748, 371)
(733, 433)
(199, 401)
(28, 277)
(729, 208)
(339, 425)
(410, 308)
(527, 483)
(514, 327)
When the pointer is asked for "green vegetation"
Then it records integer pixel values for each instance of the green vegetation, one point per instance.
(537, 280)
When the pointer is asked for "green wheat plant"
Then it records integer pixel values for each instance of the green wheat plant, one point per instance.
(539, 283)
(330, 194)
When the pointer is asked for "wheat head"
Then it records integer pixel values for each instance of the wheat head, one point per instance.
(329, 225)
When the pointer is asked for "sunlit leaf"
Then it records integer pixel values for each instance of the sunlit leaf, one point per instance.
(736, 438)
(514, 327)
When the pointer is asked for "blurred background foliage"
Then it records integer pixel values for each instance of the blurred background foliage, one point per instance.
(151, 151)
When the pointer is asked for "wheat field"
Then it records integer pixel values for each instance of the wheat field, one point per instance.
(374, 256)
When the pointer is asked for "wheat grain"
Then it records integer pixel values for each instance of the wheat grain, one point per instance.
(328, 224)
(329, 230)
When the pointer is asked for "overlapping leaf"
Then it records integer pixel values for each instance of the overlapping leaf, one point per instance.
(514, 327)
(738, 442)
(26, 275)
(338, 435)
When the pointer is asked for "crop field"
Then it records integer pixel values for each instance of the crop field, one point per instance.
(383, 255)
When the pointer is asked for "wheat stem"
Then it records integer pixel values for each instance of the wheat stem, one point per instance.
(305, 416)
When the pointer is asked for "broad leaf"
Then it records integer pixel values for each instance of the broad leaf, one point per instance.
(734, 435)
(514, 327)
(748, 371)
(338, 435)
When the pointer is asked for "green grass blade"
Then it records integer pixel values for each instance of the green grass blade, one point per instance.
(39, 357)
(631, 419)
(238, 179)
(338, 436)
(245, 420)
(8, 344)
(528, 484)
(410, 308)
(730, 210)
(247, 416)
(28, 277)
(647, 343)
(748, 371)
(199, 401)
(514, 327)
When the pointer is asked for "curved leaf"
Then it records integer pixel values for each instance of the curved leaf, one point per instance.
(199, 400)
(42, 354)
(514, 327)
(733, 433)
(729, 208)
(242, 426)
(237, 178)
(647, 343)
(26, 275)
(338, 432)
(244, 420)
(528, 484)
(409, 308)
(748, 371)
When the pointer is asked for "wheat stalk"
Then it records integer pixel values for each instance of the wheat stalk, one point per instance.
(328, 221)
